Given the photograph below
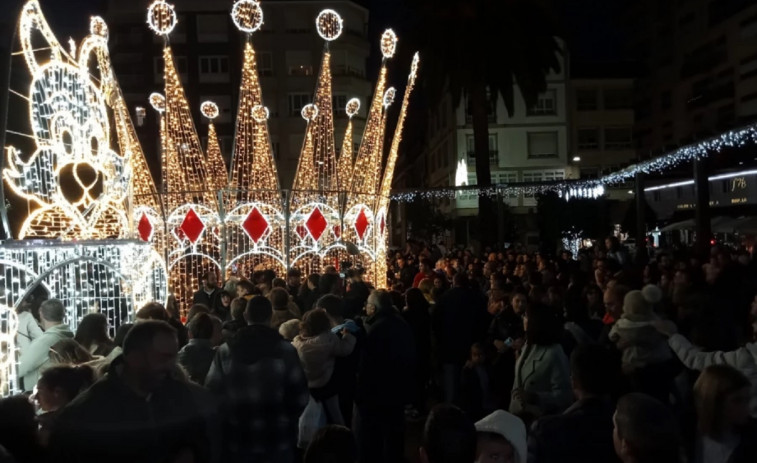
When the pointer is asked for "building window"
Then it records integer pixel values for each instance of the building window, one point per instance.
(542, 145)
(214, 69)
(265, 63)
(212, 27)
(493, 148)
(546, 105)
(297, 101)
(588, 139)
(339, 104)
(749, 28)
(748, 67)
(618, 98)
(299, 63)
(506, 178)
(586, 100)
(618, 138)
(491, 110)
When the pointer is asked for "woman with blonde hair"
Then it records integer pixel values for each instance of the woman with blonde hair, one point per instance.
(725, 431)
(427, 288)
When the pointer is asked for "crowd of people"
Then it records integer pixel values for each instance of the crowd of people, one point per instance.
(508, 357)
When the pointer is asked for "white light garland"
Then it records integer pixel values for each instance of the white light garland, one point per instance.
(388, 43)
(260, 113)
(309, 112)
(595, 188)
(158, 102)
(247, 15)
(389, 96)
(161, 17)
(329, 25)
(8, 328)
(209, 109)
(352, 107)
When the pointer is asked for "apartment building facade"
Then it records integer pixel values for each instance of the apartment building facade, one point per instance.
(208, 53)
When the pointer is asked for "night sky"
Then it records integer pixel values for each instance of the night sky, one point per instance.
(591, 27)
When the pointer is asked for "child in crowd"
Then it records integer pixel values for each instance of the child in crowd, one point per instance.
(634, 333)
(501, 438)
(476, 396)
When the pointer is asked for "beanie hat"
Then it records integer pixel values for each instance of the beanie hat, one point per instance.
(511, 428)
(638, 304)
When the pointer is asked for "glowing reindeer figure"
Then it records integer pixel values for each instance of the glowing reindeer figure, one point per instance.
(79, 183)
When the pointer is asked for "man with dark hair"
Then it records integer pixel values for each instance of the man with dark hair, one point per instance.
(209, 292)
(330, 283)
(645, 431)
(36, 355)
(344, 378)
(448, 437)
(152, 311)
(459, 321)
(386, 378)
(245, 289)
(583, 433)
(280, 301)
(238, 307)
(141, 410)
(258, 378)
(294, 281)
(198, 354)
(357, 292)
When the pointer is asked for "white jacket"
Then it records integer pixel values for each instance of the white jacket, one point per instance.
(743, 359)
(28, 331)
(37, 355)
(318, 355)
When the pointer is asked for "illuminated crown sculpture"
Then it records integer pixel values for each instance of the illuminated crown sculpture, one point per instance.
(335, 205)
(77, 242)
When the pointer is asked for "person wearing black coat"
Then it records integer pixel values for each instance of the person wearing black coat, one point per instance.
(418, 317)
(140, 411)
(385, 382)
(209, 294)
(584, 432)
(460, 320)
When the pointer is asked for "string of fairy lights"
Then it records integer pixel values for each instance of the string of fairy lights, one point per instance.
(593, 188)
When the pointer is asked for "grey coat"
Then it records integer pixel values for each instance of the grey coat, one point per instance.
(543, 371)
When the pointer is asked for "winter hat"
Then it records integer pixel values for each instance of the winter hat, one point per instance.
(508, 426)
(638, 304)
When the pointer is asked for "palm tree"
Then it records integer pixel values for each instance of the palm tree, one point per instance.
(481, 49)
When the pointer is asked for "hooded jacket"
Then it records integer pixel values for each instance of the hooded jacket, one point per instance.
(263, 391)
(511, 428)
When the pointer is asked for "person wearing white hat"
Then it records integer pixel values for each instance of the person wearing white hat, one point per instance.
(501, 438)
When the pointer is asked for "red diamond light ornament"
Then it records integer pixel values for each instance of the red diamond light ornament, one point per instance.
(361, 224)
(144, 228)
(192, 226)
(337, 231)
(255, 225)
(301, 232)
(316, 223)
(382, 225)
